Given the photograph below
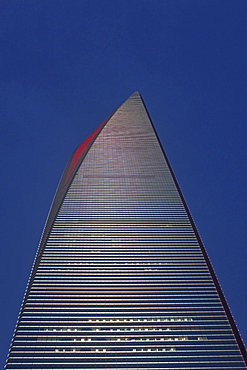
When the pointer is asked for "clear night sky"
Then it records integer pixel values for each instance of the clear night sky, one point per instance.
(67, 64)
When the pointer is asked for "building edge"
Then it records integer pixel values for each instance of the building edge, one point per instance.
(219, 290)
(57, 201)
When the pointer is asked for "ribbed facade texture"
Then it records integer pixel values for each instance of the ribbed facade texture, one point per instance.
(121, 279)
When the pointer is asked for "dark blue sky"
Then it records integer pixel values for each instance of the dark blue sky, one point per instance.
(65, 65)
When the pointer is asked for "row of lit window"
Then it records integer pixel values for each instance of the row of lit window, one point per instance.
(218, 328)
(109, 263)
(166, 253)
(116, 329)
(119, 300)
(123, 339)
(134, 339)
(92, 270)
(76, 292)
(205, 324)
(169, 256)
(119, 236)
(162, 319)
(123, 275)
(182, 256)
(111, 253)
(125, 271)
(94, 263)
(179, 262)
(172, 255)
(100, 284)
(131, 278)
(137, 238)
(104, 285)
(117, 202)
(140, 238)
(168, 245)
(73, 229)
(211, 317)
(63, 306)
(81, 259)
(171, 349)
(95, 230)
(126, 214)
(75, 258)
(46, 302)
(160, 235)
(76, 315)
(142, 212)
(133, 294)
(156, 240)
(115, 286)
(133, 329)
(120, 269)
(120, 201)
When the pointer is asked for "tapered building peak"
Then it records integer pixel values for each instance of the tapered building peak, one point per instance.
(136, 93)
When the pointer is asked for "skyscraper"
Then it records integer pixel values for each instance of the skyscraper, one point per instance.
(121, 279)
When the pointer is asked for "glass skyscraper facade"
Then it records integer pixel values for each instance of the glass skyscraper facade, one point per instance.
(121, 279)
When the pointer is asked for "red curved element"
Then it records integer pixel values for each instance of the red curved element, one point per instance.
(80, 150)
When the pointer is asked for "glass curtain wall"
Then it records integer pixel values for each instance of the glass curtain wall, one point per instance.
(121, 279)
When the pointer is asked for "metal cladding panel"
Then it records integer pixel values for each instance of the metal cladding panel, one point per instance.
(123, 281)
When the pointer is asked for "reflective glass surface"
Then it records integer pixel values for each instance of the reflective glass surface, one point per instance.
(121, 280)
